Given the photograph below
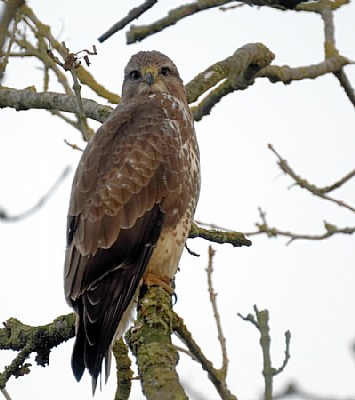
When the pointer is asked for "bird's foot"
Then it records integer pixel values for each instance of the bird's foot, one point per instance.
(164, 281)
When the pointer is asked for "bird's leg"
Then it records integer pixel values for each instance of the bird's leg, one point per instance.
(164, 281)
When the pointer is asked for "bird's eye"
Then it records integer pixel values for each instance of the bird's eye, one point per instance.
(165, 71)
(134, 75)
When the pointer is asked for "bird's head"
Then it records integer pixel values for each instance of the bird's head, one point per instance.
(150, 72)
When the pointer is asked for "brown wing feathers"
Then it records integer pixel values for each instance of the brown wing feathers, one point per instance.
(111, 278)
(114, 222)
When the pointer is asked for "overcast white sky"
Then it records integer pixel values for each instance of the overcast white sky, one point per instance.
(308, 287)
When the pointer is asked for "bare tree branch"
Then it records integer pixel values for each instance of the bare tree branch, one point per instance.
(6, 394)
(213, 301)
(330, 230)
(138, 33)
(5, 217)
(215, 375)
(28, 98)
(304, 184)
(346, 85)
(262, 324)
(293, 390)
(133, 14)
(10, 13)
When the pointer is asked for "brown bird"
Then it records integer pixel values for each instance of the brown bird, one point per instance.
(133, 199)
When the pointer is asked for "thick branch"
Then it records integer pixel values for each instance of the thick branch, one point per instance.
(316, 6)
(27, 99)
(287, 74)
(26, 339)
(150, 342)
(238, 71)
(233, 67)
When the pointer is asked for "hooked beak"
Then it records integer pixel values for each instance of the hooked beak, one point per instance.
(149, 77)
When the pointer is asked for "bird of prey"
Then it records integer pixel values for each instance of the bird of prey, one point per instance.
(133, 199)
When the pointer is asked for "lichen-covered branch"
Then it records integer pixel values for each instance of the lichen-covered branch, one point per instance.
(150, 341)
(304, 184)
(287, 74)
(237, 71)
(138, 33)
(236, 239)
(261, 322)
(26, 340)
(124, 373)
(10, 13)
(215, 375)
(28, 98)
(315, 6)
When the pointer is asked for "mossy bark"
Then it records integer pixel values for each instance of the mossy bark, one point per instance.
(150, 342)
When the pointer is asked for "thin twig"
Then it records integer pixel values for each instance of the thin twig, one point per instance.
(346, 85)
(330, 230)
(73, 146)
(214, 374)
(83, 123)
(138, 33)
(12, 7)
(303, 183)
(185, 351)
(287, 353)
(5, 217)
(71, 122)
(6, 394)
(8, 14)
(212, 225)
(133, 14)
(213, 301)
